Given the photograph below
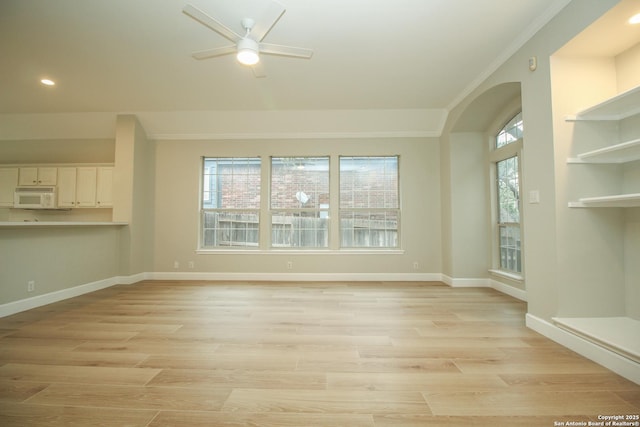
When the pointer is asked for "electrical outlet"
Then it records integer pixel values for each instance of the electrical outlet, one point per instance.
(416, 265)
(31, 286)
(176, 264)
(289, 265)
(191, 264)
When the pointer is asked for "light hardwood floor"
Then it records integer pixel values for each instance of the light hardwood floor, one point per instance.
(295, 354)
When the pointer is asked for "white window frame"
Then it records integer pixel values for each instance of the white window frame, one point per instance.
(238, 211)
(371, 210)
(333, 212)
(513, 149)
(321, 212)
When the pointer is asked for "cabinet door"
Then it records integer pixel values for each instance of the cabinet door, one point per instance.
(104, 187)
(8, 183)
(28, 176)
(67, 187)
(86, 187)
(38, 176)
(47, 176)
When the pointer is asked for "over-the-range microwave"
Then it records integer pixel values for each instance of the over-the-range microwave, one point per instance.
(35, 198)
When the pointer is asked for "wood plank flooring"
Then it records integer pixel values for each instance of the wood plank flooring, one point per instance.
(295, 354)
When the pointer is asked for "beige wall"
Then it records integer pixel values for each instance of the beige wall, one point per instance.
(55, 258)
(133, 194)
(57, 151)
(178, 166)
(470, 223)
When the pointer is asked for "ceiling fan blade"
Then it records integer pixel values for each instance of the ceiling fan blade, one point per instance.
(276, 49)
(210, 53)
(212, 23)
(258, 70)
(265, 23)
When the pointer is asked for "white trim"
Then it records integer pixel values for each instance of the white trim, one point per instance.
(507, 275)
(295, 135)
(607, 358)
(466, 282)
(51, 297)
(301, 277)
(509, 290)
(485, 283)
(130, 280)
(40, 300)
(298, 251)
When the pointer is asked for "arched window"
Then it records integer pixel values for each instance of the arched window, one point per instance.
(511, 132)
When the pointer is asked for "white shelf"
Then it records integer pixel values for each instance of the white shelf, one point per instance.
(624, 152)
(618, 107)
(617, 201)
(618, 334)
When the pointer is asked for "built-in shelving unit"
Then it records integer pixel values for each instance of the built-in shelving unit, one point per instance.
(620, 334)
(596, 141)
(617, 108)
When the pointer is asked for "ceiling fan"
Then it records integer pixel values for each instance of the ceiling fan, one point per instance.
(249, 46)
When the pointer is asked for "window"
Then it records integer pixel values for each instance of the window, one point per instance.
(230, 202)
(509, 214)
(511, 132)
(369, 202)
(300, 202)
(506, 157)
(295, 210)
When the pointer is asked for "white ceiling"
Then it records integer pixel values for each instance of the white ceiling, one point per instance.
(134, 55)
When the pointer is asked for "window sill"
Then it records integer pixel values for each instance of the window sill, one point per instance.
(511, 276)
(300, 252)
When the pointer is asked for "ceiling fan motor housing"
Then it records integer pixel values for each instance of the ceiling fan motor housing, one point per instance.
(248, 51)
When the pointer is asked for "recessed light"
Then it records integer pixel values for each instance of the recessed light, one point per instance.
(635, 19)
(47, 82)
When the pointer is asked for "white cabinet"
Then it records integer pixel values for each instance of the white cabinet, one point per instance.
(78, 186)
(104, 187)
(86, 187)
(67, 187)
(37, 176)
(8, 183)
(615, 109)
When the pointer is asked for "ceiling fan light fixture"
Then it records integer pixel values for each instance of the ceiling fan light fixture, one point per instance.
(248, 51)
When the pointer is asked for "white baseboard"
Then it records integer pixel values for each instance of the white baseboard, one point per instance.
(485, 283)
(607, 358)
(40, 300)
(51, 297)
(134, 278)
(300, 277)
(509, 290)
(465, 282)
